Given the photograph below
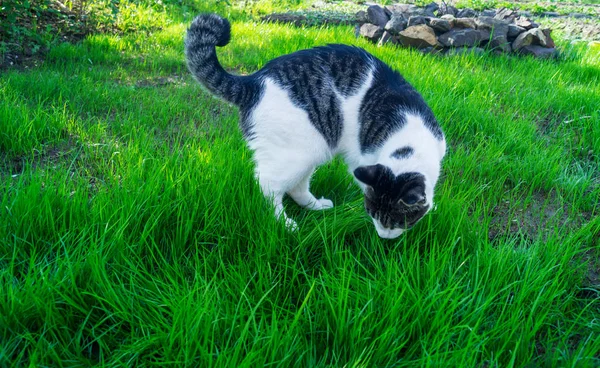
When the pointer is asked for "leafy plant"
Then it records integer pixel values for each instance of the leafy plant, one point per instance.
(477, 4)
(539, 8)
(31, 26)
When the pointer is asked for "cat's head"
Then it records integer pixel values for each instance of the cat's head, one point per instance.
(395, 202)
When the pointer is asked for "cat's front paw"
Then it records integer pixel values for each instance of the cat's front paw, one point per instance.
(325, 203)
(291, 225)
(321, 204)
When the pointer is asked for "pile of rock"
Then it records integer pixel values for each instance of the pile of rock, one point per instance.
(443, 28)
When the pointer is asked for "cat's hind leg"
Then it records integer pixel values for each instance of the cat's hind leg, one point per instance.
(301, 194)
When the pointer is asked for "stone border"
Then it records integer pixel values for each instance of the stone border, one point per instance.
(445, 29)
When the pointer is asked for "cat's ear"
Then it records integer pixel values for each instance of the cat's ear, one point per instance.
(369, 175)
(415, 196)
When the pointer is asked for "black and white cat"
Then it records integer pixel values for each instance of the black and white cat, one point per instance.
(302, 109)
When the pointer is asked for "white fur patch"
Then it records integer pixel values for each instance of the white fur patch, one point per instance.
(428, 152)
(285, 143)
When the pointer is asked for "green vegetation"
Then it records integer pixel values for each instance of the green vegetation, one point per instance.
(534, 7)
(132, 232)
(32, 27)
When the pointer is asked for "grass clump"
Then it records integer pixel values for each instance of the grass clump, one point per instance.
(132, 231)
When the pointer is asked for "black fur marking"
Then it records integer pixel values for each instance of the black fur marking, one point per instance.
(313, 77)
(382, 109)
(403, 153)
(205, 33)
(396, 201)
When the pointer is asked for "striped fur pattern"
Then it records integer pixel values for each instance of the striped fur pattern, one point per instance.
(206, 32)
(302, 109)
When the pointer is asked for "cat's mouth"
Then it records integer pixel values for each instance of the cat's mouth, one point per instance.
(387, 233)
(391, 220)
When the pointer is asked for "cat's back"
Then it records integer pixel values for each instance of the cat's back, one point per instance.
(316, 81)
(313, 70)
(339, 85)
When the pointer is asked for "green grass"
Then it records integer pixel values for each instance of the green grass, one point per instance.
(132, 232)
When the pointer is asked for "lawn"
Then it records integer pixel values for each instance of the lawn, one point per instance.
(132, 232)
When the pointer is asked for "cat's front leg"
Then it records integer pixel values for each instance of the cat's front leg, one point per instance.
(301, 194)
(320, 204)
(313, 203)
(274, 188)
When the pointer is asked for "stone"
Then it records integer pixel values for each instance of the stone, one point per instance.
(432, 7)
(405, 9)
(361, 17)
(499, 41)
(580, 15)
(526, 23)
(514, 30)
(385, 38)
(534, 37)
(489, 23)
(524, 39)
(484, 34)
(463, 37)
(396, 24)
(465, 50)
(421, 11)
(464, 23)
(447, 9)
(549, 41)
(428, 13)
(488, 13)
(385, 10)
(539, 51)
(419, 36)
(539, 38)
(431, 50)
(377, 16)
(440, 25)
(371, 31)
(466, 13)
(550, 14)
(505, 14)
(449, 17)
(415, 20)
(499, 32)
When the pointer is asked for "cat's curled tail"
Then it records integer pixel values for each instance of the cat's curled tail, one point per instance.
(205, 33)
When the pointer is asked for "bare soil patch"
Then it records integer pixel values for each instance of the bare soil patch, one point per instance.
(49, 155)
(538, 217)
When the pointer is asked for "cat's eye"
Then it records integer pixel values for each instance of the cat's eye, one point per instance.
(422, 202)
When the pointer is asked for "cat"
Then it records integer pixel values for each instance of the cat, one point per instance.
(302, 109)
